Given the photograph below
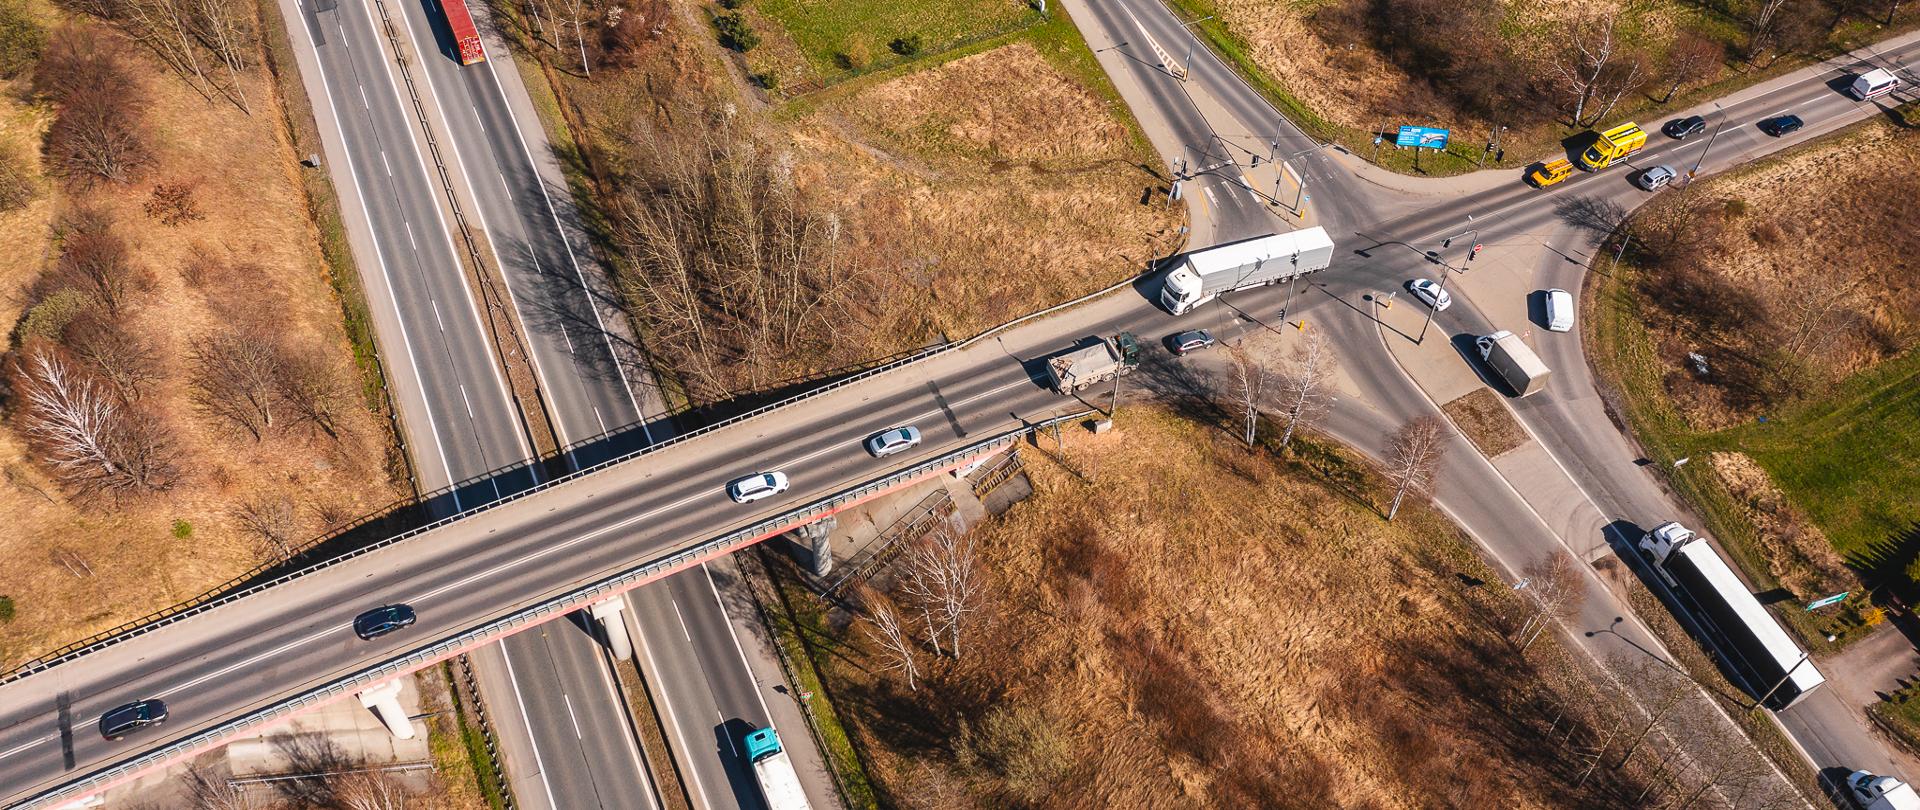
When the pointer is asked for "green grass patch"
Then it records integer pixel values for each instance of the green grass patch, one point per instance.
(466, 748)
(844, 38)
(800, 629)
(1899, 716)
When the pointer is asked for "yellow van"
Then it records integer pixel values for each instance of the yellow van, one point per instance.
(1550, 172)
(1614, 146)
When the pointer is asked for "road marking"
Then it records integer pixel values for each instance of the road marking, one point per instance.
(666, 706)
(416, 245)
(540, 768)
(383, 162)
(28, 744)
(764, 712)
(435, 303)
(364, 103)
(683, 620)
(248, 662)
(564, 698)
(469, 402)
(601, 419)
(477, 120)
(509, 190)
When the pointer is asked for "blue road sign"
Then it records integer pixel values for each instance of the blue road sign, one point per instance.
(1424, 137)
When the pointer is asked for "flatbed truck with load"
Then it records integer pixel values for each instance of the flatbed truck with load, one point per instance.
(1202, 275)
(1749, 641)
(1092, 365)
(1516, 363)
(779, 784)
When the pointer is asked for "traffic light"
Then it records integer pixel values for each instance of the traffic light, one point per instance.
(1447, 242)
(1476, 252)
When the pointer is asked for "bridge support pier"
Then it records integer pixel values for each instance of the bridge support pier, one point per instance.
(814, 538)
(384, 700)
(608, 612)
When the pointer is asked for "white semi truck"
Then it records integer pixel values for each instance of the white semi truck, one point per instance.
(1204, 274)
(1515, 362)
(1750, 642)
(1872, 792)
(779, 784)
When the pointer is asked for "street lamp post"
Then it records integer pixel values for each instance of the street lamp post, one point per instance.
(1430, 310)
(1186, 69)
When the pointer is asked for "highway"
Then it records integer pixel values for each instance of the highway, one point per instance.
(238, 657)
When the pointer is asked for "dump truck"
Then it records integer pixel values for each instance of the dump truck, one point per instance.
(1874, 792)
(1550, 172)
(1751, 644)
(1510, 356)
(779, 785)
(1202, 275)
(465, 36)
(1613, 147)
(1092, 365)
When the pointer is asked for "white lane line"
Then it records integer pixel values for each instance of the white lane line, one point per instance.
(571, 716)
(504, 187)
(764, 712)
(364, 103)
(683, 620)
(477, 120)
(666, 706)
(539, 768)
(249, 662)
(435, 303)
(463, 398)
(383, 162)
(613, 699)
(29, 744)
(601, 419)
(416, 245)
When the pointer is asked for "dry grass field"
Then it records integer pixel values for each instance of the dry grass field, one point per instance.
(78, 565)
(1183, 623)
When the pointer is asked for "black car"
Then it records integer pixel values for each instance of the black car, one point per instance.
(1681, 129)
(1782, 125)
(1187, 342)
(381, 621)
(132, 717)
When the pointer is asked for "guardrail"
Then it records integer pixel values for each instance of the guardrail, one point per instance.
(549, 609)
(221, 595)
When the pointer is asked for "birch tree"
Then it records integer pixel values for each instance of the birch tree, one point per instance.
(90, 440)
(1305, 388)
(1250, 389)
(1596, 68)
(1413, 455)
(889, 634)
(1554, 590)
(237, 378)
(944, 580)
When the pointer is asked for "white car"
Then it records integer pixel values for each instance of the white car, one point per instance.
(892, 440)
(757, 486)
(1559, 310)
(1430, 291)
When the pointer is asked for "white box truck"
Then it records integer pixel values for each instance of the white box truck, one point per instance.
(1750, 642)
(1516, 363)
(1872, 792)
(779, 784)
(1204, 274)
(1873, 84)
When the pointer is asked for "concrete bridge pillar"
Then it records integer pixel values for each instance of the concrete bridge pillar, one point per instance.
(384, 700)
(608, 611)
(814, 537)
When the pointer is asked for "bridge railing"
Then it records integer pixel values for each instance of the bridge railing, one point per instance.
(551, 608)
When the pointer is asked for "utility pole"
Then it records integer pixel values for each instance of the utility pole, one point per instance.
(1186, 70)
(1493, 142)
(1430, 310)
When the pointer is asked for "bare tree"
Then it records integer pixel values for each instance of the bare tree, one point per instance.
(1413, 455)
(92, 442)
(889, 633)
(1305, 392)
(1596, 68)
(577, 15)
(238, 378)
(370, 789)
(1652, 689)
(124, 361)
(96, 136)
(1251, 381)
(96, 260)
(1554, 588)
(273, 523)
(212, 791)
(943, 578)
(1760, 27)
(310, 385)
(225, 27)
(1693, 57)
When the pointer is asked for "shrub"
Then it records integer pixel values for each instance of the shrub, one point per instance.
(6, 609)
(21, 38)
(908, 45)
(173, 203)
(765, 80)
(182, 530)
(732, 4)
(854, 57)
(49, 317)
(17, 187)
(735, 33)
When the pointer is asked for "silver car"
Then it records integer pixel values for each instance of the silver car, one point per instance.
(893, 440)
(757, 486)
(1655, 178)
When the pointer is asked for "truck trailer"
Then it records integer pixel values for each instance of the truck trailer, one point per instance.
(465, 36)
(1613, 147)
(779, 784)
(1204, 274)
(1092, 365)
(1516, 363)
(1874, 792)
(1750, 642)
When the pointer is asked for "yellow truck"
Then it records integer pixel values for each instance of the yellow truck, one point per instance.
(1550, 172)
(1614, 146)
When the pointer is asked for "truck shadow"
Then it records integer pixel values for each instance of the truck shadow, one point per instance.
(1622, 536)
(740, 779)
(443, 41)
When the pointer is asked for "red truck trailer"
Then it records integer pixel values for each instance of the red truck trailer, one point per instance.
(464, 34)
